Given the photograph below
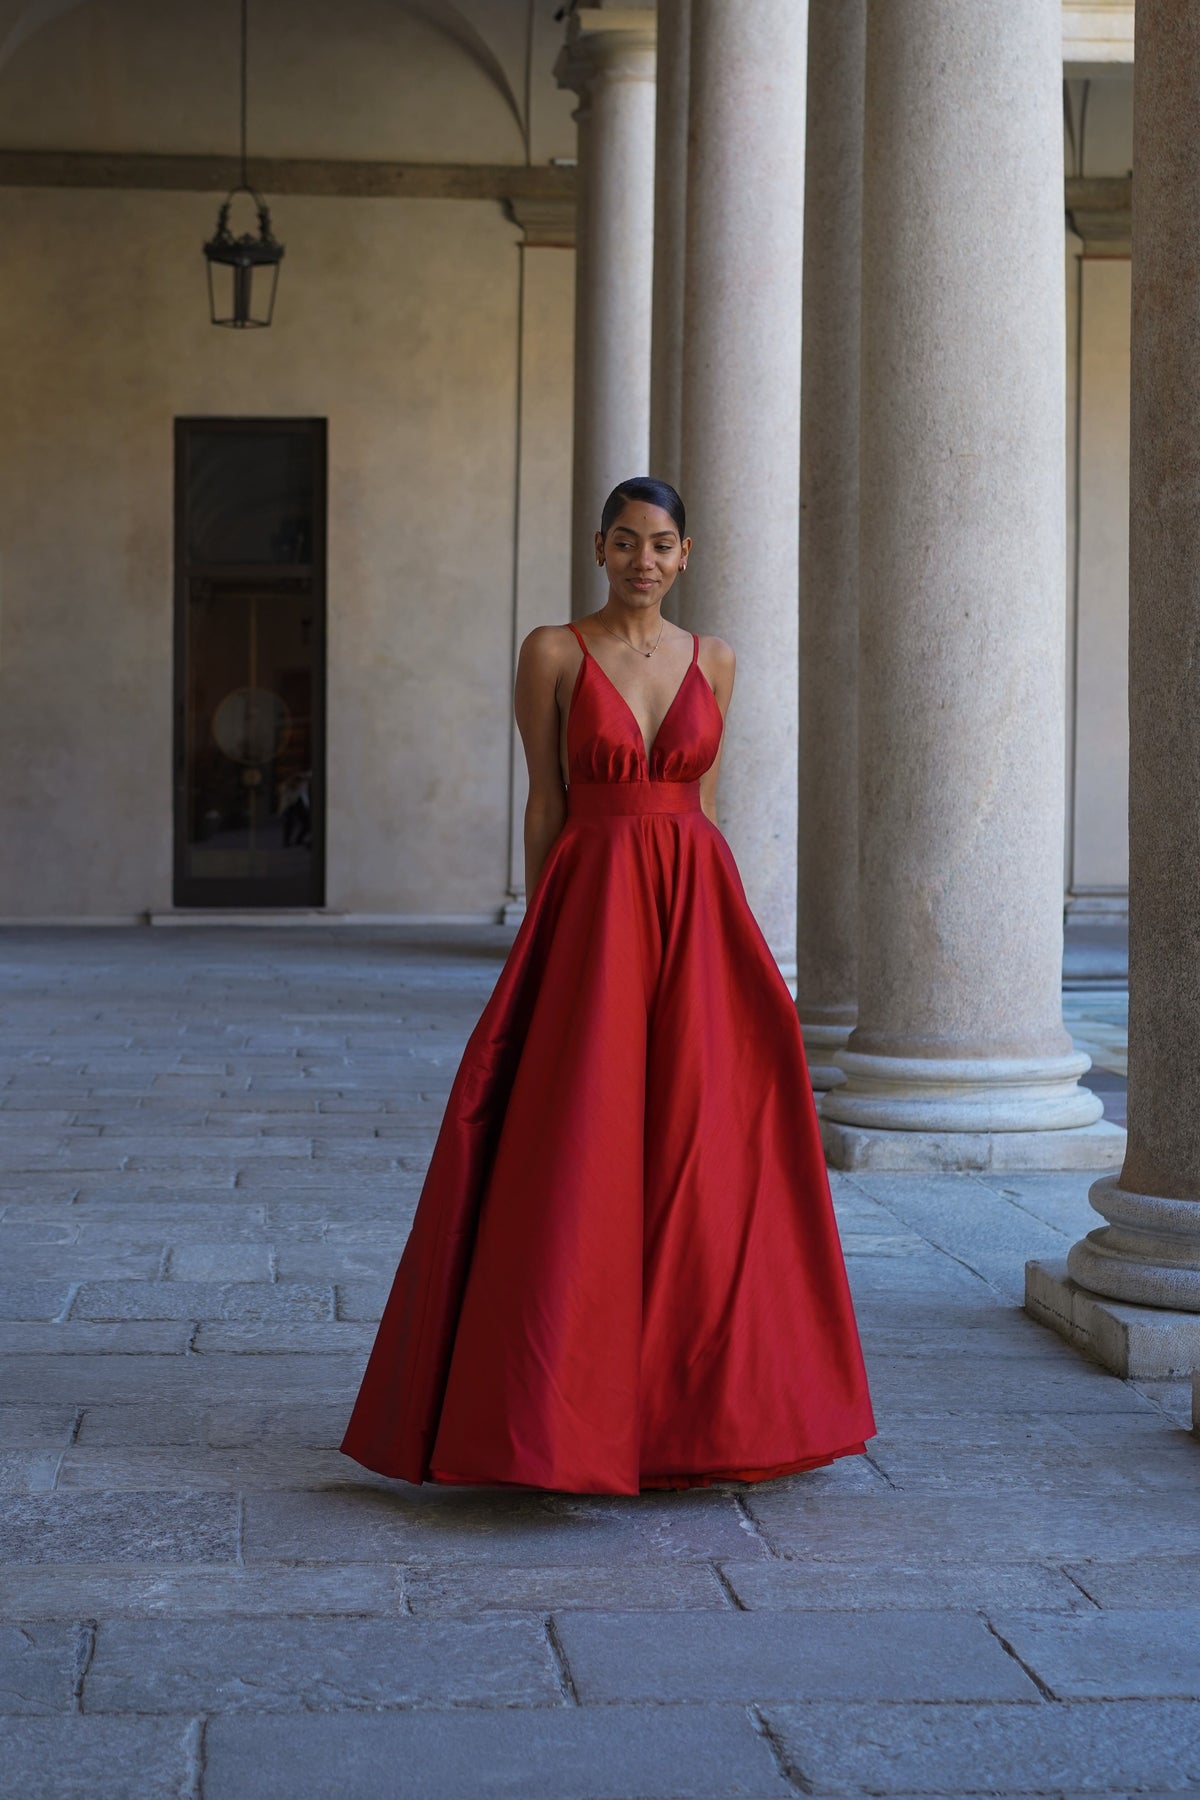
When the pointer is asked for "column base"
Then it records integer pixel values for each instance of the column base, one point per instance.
(1089, 1147)
(994, 1094)
(1148, 1254)
(821, 1044)
(1139, 1343)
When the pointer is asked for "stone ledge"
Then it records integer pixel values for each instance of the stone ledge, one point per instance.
(1086, 1147)
(1139, 1343)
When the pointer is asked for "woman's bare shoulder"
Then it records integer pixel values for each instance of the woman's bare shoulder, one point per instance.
(548, 647)
(717, 653)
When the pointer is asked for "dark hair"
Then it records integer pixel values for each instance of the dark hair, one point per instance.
(642, 487)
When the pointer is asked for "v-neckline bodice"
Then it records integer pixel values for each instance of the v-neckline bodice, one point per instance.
(648, 749)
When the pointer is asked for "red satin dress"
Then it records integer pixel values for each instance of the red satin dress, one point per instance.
(624, 1270)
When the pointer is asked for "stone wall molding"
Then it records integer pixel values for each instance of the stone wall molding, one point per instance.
(547, 182)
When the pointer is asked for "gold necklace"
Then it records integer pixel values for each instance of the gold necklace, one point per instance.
(625, 640)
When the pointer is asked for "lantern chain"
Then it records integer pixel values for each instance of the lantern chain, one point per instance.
(245, 10)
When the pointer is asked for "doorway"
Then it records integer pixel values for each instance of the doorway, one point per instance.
(250, 662)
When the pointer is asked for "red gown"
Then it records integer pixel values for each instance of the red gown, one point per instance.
(624, 1271)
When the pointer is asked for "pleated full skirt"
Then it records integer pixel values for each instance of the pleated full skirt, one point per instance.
(624, 1270)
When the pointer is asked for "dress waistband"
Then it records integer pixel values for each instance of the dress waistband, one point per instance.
(609, 799)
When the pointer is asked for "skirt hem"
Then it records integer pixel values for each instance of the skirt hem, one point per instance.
(676, 1480)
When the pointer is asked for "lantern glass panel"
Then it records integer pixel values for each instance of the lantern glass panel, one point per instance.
(242, 293)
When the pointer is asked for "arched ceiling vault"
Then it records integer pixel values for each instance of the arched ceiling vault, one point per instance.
(459, 22)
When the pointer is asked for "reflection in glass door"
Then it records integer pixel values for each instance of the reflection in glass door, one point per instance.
(249, 662)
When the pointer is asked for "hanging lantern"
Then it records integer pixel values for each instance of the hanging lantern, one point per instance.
(243, 271)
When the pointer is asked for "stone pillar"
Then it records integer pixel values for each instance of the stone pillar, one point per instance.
(542, 500)
(670, 237)
(827, 890)
(741, 415)
(959, 1057)
(1147, 1257)
(608, 60)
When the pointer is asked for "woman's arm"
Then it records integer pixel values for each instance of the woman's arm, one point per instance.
(540, 667)
(718, 670)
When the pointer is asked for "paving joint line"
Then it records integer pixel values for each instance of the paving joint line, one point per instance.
(786, 1768)
(726, 1586)
(1046, 1692)
(400, 1577)
(751, 1525)
(1075, 1582)
(85, 1650)
(61, 1317)
(197, 1751)
(562, 1667)
(881, 1472)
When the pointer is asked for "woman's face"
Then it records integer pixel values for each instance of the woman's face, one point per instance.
(642, 553)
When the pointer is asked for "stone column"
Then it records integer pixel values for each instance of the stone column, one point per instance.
(959, 1057)
(741, 414)
(608, 60)
(670, 237)
(827, 891)
(542, 500)
(1148, 1253)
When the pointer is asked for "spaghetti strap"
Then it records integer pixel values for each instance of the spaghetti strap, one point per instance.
(695, 648)
(579, 635)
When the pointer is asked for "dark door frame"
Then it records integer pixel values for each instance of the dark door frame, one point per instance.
(188, 891)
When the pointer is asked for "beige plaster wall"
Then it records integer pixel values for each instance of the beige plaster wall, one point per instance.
(1097, 861)
(542, 561)
(398, 321)
(1100, 859)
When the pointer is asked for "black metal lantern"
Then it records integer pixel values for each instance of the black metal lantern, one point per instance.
(243, 271)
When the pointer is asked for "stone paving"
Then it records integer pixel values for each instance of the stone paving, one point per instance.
(212, 1143)
(1098, 1020)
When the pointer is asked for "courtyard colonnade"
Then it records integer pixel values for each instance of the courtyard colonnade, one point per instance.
(924, 814)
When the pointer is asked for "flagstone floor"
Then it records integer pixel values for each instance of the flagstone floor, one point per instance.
(1098, 1021)
(211, 1144)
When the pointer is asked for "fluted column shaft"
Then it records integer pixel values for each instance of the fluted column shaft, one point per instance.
(1150, 1250)
(670, 237)
(608, 60)
(961, 705)
(741, 414)
(827, 890)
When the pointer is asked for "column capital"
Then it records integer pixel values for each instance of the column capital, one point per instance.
(614, 42)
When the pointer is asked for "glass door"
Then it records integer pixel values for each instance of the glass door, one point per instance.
(249, 662)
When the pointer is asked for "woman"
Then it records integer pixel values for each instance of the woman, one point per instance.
(624, 1271)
